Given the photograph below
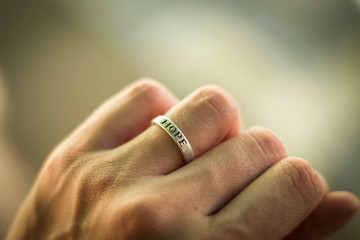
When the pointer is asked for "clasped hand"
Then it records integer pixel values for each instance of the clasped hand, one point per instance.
(117, 177)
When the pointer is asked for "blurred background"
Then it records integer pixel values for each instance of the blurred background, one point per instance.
(293, 66)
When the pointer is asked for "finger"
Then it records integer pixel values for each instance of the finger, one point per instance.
(274, 204)
(336, 209)
(125, 115)
(220, 174)
(207, 117)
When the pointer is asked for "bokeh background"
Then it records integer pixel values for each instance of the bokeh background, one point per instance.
(293, 66)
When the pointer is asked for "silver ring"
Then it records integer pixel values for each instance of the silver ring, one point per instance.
(176, 134)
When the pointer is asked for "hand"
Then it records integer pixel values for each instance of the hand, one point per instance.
(117, 177)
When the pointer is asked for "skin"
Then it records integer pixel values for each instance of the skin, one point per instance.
(117, 177)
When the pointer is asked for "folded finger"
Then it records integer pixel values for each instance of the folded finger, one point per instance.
(222, 173)
(336, 209)
(125, 115)
(206, 117)
(274, 204)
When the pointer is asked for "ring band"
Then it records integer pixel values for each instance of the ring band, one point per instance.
(176, 134)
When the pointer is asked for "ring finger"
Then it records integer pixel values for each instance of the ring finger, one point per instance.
(206, 117)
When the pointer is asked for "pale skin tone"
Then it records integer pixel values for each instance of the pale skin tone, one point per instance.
(117, 177)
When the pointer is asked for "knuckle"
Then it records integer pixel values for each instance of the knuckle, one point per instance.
(268, 143)
(305, 183)
(150, 92)
(146, 87)
(58, 161)
(216, 101)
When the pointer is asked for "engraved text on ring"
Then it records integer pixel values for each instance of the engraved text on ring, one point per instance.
(175, 132)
